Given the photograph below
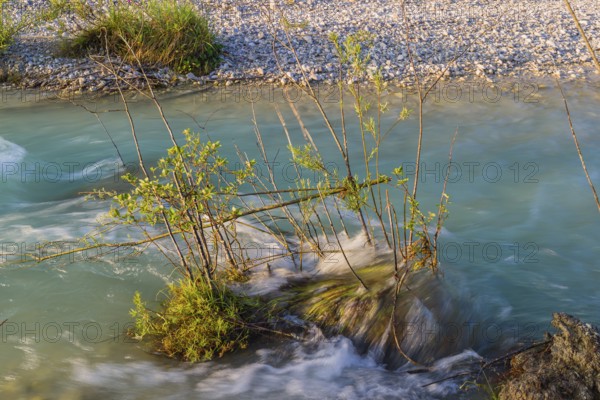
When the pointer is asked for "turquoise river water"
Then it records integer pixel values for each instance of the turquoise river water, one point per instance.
(521, 241)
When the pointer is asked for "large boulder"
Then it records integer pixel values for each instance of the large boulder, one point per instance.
(568, 367)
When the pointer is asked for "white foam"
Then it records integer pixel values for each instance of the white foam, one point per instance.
(93, 172)
(317, 368)
(11, 152)
(306, 370)
(31, 359)
(356, 249)
(140, 374)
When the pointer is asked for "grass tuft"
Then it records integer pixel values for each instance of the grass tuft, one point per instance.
(199, 321)
(8, 28)
(157, 33)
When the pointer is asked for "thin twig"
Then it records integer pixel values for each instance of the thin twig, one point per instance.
(443, 198)
(587, 175)
(269, 207)
(583, 35)
(363, 284)
(488, 363)
(95, 113)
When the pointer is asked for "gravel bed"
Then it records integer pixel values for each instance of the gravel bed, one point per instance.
(490, 40)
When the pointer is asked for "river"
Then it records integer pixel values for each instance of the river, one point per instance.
(520, 242)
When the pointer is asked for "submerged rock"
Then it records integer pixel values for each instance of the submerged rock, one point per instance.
(567, 368)
(430, 319)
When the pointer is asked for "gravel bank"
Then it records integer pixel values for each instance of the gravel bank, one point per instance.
(497, 40)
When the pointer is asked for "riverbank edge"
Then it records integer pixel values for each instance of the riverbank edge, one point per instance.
(448, 89)
(92, 77)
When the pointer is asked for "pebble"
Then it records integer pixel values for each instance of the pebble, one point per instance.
(511, 39)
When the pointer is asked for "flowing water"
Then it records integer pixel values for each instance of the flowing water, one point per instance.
(520, 243)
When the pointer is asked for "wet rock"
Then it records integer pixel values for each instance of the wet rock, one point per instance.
(567, 368)
(429, 320)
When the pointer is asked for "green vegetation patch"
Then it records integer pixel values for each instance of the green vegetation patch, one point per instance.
(157, 33)
(5, 35)
(5, 31)
(8, 27)
(199, 321)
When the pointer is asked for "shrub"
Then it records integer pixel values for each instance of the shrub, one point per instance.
(192, 197)
(8, 27)
(5, 36)
(167, 33)
(199, 321)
